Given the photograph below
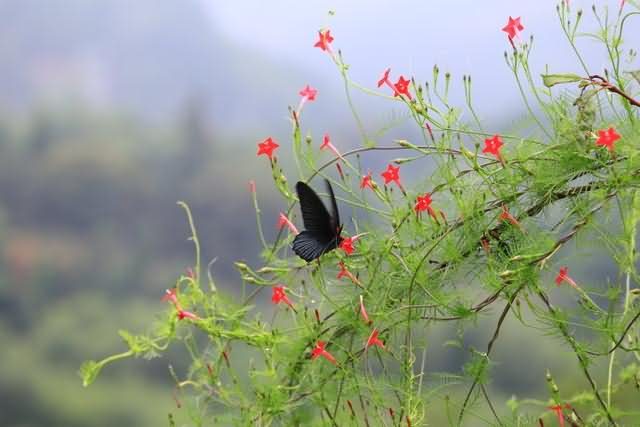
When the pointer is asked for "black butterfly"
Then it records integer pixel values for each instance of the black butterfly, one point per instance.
(322, 231)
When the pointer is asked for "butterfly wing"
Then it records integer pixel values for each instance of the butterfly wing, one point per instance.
(321, 232)
(309, 246)
(335, 216)
(315, 216)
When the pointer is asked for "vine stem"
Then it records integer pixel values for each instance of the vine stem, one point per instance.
(496, 332)
(193, 237)
(581, 359)
(631, 247)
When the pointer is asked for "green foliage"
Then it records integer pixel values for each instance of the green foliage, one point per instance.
(550, 80)
(89, 371)
(491, 241)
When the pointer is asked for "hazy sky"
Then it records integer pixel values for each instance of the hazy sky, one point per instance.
(462, 36)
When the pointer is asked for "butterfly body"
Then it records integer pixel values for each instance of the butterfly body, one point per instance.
(322, 229)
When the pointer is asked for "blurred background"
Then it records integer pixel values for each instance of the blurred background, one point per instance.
(111, 111)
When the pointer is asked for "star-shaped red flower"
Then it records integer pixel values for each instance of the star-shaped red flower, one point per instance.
(326, 143)
(309, 93)
(279, 295)
(171, 295)
(607, 137)
(374, 340)
(324, 40)
(366, 181)
(319, 350)
(423, 203)
(392, 174)
(563, 276)
(347, 245)
(401, 87)
(267, 147)
(493, 146)
(385, 78)
(513, 27)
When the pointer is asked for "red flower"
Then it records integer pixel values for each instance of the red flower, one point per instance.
(363, 311)
(423, 203)
(326, 143)
(513, 27)
(493, 146)
(283, 220)
(506, 216)
(392, 174)
(182, 314)
(374, 340)
(562, 276)
(607, 137)
(324, 40)
(347, 245)
(344, 272)
(308, 93)
(402, 87)
(366, 181)
(558, 410)
(267, 147)
(279, 295)
(319, 350)
(171, 295)
(385, 79)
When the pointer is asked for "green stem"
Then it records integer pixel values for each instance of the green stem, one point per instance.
(193, 237)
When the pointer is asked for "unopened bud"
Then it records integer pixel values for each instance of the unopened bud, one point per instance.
(401, 160)
(241, 266)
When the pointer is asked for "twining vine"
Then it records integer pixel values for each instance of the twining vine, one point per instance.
(346, 342)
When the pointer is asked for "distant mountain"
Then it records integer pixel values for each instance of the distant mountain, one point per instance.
(150, 57)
